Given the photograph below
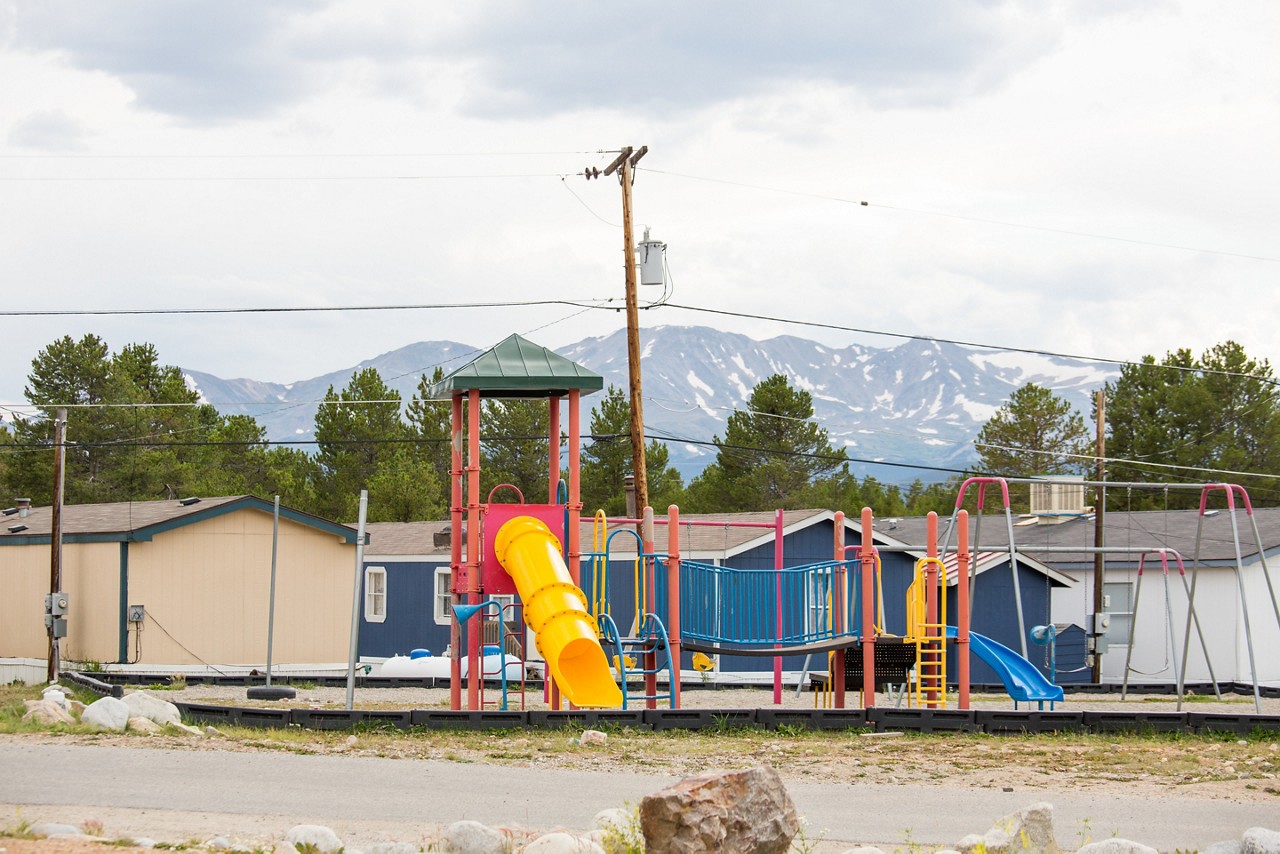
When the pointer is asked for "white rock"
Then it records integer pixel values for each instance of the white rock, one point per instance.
(472, 837)
(146, 725)
(55, 694)
(1260, 840)
(144, 705)
(562, 843)
(212, 731)
(1117, 846)
(615, 819)
(47, 712)
(313, 837)
(219, 843)
(142, 842)
(183, 729)
(51, 828)
(592, 736)
(1028, 827)
(108, 713)
(1232, 847)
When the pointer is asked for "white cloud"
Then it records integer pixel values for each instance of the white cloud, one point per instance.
(242, 157)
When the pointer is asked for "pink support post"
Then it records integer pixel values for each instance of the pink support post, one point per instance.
(553, 431)
(868, 609)
(673, 597)
(837, 611)
(777, 565)
(962, 607)
(647, 595)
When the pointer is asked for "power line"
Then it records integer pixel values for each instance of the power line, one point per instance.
(101, 312)
(967, 218)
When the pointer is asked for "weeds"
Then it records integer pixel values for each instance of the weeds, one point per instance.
(626, 837)
(802, 842)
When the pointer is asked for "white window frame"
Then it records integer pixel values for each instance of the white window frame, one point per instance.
(375, 599)
(1121, 621)
(442, 608)
(441, 599)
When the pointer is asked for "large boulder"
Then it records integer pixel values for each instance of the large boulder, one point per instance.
(1260, 840)
(107, 713)
(1030, 828)
(747, 811)
(144, 705)
(472, 837)
(47, 712)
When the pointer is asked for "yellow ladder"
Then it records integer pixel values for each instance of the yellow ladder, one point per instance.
(929, 679)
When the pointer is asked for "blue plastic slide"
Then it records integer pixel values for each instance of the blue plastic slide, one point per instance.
(1021, 678)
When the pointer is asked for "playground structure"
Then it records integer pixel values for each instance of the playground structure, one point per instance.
(833, 609)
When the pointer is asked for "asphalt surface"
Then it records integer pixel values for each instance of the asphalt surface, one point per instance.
(183, 794)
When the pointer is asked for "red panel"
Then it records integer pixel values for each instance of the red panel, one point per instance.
(494, 578)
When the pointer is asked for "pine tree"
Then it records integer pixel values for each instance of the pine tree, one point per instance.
(356, 429)
(770, 456)
(1034, 433)
(606, 461)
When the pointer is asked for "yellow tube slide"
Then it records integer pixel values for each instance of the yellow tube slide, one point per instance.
(556, 610)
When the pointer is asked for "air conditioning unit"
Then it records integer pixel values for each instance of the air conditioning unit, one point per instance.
(1058, 496)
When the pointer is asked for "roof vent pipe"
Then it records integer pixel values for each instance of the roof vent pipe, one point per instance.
(24, 506)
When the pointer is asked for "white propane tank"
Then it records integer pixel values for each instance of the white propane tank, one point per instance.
(652, 254)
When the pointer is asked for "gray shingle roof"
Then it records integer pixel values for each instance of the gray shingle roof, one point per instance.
(138, 520)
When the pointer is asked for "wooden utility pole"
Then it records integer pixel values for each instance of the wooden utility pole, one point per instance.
(1099, 514)
(57, 606)
(624, 164)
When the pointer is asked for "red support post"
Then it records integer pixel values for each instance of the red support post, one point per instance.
(455, 552)
(474, 666)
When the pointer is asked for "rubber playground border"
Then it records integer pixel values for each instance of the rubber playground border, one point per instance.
(876, 719)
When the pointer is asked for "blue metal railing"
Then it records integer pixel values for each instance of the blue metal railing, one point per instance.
(765, 607)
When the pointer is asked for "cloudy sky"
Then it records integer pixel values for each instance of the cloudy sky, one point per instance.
(1096, 178)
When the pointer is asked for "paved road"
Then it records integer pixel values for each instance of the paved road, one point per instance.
(179, 794)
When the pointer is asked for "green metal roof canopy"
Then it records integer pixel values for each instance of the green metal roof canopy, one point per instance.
(517, 368)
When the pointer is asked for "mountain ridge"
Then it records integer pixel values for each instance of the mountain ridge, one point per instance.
(917, 403)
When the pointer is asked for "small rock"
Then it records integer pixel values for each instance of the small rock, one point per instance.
(76, 708)
(213, 732)
(1117, 846)
(55, 694)
(1230, 847)
(50, 828)
(392, 848)
(142, 842)
(562, 843)
(472, 837)
(145, 705)
(47, 712)
(593, 736)
(351, 741)
(145, 725)
(313, 837)
(218, 843)
(1260, 840)
(183, 729)
(615, 819)
(107, 713)
(889, 734)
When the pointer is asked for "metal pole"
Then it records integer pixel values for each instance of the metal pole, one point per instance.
(355, 601)
(1099, 537)
(271, 608)
(55, 541)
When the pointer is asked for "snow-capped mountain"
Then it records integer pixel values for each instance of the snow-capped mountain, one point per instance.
(919, 403)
